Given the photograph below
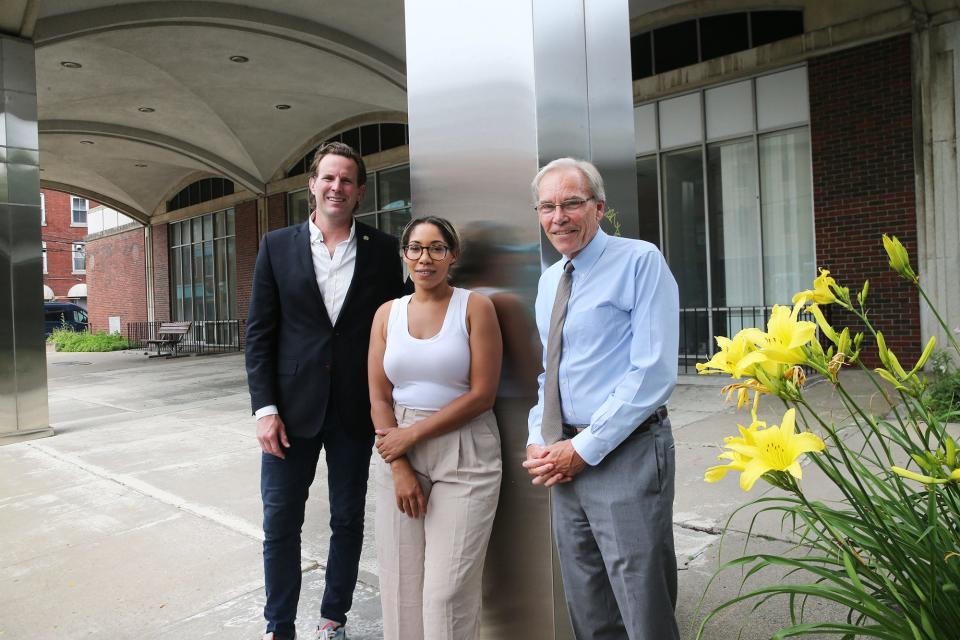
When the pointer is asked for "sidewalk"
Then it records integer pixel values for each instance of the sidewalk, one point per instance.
(140, 518)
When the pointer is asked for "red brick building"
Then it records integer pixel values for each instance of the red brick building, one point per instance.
(63, 232)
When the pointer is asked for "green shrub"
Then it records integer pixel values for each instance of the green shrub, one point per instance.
(943, 394)
(66, 340)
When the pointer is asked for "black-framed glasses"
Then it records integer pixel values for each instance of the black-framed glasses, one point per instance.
(435, 251)
(568, 206)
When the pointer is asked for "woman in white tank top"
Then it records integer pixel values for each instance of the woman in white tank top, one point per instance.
(434, 367)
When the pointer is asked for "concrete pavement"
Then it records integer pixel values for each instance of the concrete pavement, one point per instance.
(140, 518)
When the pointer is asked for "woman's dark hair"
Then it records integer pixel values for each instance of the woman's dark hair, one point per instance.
(450, 235)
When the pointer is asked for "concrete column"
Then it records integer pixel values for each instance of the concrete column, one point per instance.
(496, 90)
(23, 363)
(937, 65)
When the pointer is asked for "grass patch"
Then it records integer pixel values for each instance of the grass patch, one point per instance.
(65, 340)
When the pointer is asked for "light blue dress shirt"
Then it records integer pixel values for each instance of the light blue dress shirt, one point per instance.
(620, 341)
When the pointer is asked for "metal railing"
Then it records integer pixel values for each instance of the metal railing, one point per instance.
(699, 325)
(204, 336)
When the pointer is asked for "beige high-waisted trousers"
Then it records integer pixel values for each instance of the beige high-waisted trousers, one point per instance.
(431, 567)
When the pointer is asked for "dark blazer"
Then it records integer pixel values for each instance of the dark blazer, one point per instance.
(296, 359)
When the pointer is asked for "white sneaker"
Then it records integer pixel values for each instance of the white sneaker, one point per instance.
(330, 630)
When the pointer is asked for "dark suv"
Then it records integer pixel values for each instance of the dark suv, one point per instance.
(58, 314)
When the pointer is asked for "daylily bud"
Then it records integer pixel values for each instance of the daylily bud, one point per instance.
(862, 296)
(950, 447)
(910, 475)
(925, 355)
(899, 259)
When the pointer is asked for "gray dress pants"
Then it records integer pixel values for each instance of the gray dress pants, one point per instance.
(613, 525)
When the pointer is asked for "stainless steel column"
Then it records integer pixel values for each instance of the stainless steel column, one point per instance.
(497, 89)
(23, 364)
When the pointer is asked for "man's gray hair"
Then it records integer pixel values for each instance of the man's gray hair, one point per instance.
(590, 172)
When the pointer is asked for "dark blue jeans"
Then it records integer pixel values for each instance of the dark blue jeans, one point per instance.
(284, 488)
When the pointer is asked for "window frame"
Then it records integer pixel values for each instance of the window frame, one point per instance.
(74, 209)
(78, 249)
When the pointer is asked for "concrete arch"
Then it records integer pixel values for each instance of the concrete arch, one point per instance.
(140, 216)
(374, 117)
(217, 165)
(226, 16)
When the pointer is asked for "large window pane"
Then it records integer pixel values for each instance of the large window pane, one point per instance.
(186, 283)
(232, 275)
(393, 188)
(787, 206)
(647, 199)
(209, 283)
(298, 206)
(686, 240)
(369, 201)
(393, 222)
(176, 285)
(221, 267)
(734, 225)
(198, 280)
(680, 122)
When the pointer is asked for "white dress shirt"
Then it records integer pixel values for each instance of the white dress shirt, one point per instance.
(334, 274)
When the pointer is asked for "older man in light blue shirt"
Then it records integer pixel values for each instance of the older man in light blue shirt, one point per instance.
(599, 433)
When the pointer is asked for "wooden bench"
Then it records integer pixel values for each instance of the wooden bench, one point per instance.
(169, 336)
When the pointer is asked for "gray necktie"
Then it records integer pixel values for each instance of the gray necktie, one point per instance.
(551, 427)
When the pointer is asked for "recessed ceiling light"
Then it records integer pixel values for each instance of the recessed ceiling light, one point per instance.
(140, 165)
(282, 107)
(67, 64)
(86, 142)
(146, 109)
(239, 59)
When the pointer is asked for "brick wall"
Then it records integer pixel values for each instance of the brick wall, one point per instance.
(277, 211)
(247, 241)
(861, 128)
(161, 273)
(117, 279)
(60, 234)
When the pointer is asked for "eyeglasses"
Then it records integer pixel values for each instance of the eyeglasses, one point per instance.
(435, 251)
(569, 206)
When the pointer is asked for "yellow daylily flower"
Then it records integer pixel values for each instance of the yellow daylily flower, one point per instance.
(899, 259)
(736, 357)
(822, 292)
(825, 327)
(775, 448)
(738, 462)
(786, 336)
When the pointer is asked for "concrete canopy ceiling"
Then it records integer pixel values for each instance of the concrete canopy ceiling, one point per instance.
(210, 116)
(330, 61)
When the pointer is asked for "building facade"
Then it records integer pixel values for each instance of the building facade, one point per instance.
(63, 220)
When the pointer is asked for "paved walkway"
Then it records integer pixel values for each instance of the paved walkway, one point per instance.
(140, 518)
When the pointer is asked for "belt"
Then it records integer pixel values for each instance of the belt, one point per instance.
(658, 416)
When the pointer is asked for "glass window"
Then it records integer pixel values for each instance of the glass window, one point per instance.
(736, 269)
(641, 55)
(198, 282)
(770, 26)
(392, 135)
(209, 283)
(43, 209)
(723, 34)
(298, 206)
(369, 139)
(79, 258)
(647, 199)
(203, 271)
(729, 110)
(686, 238)
(231, 228)
(369, 201)
(782, 99)
(43, 253)
(645, 128)
(208, 227)
(78, 211)
(680, 122)
(393, 188)
(394, 221)
(219, 224)
(675, 46)
(786, 204)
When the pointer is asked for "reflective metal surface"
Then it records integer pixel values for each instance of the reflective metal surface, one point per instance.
(23, 365)
(495, 90)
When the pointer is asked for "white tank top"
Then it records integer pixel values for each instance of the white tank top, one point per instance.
(430, 373)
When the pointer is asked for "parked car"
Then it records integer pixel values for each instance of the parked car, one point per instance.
(59, 314)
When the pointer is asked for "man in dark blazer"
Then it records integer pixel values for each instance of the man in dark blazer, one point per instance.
(316, 287)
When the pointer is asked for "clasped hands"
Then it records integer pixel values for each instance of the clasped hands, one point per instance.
(394, 442)
(553, 464)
